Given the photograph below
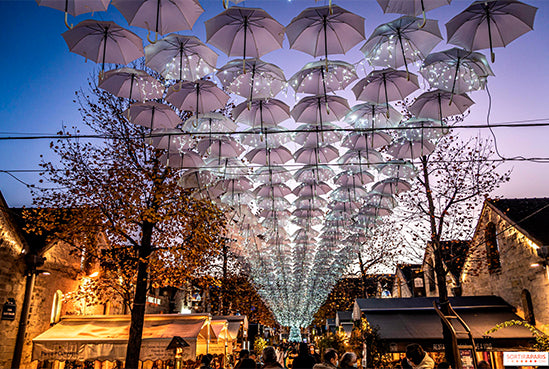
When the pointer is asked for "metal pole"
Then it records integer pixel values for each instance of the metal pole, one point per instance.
(20, 340)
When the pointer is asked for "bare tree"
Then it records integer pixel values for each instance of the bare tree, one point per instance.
(119, 187)
(446, 196)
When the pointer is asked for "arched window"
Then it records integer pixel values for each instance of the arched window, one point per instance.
(56, 307)
(492, 249)
(528, 307)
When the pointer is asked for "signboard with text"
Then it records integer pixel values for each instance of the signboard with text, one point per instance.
(526, 358)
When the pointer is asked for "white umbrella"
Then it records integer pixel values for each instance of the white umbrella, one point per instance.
(160, 16)
(104, 42)
(180, 57)
(257, 80)
(325, 30)
(319, 77)
(199, 96)
(132, 84)
(152, 115)
(410, 149)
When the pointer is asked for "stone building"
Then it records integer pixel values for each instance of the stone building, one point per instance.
(408, 281)
(453, 257)
(25, 259)
(56, 279)
(508, 257)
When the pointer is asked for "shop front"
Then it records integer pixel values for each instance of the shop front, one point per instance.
(170, 341)
(402, 321)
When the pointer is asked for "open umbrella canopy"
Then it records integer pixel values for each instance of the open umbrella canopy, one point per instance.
(309, 202)
(245, 32)
(132, 84)
(272, 175)
(258, 79)
(267, 137)
(348, 193)
(321, 77)
(220, 147)
(76, 7)
(171, 140)
(314, 172)
(439, 104)
(402, 41)
(360, 157)
(490, 24)
(312, 135)
(104, 42)
(411, 7)
(404, 148)
(312, 189)
(456, 70)
(208, 123)
(153, 115)
(277, 203)
(180, 57)
(312, 155)
(226, 167)
(365, 141)
(325, 30)
(423, 129)
(160, 16)
(272, 190)
(261, 112)
(350, 178)
(391, 186)
(269, 156)
(199, 96)
(314, 109)
(382, 86)
(184, 159)
(373, 115)
(196, 179)
(380, 199)
(397, 168)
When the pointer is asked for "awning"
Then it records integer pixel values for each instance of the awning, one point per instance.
(404, 321)
(105, 337)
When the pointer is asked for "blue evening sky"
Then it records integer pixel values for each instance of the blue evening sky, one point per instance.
(41, 76)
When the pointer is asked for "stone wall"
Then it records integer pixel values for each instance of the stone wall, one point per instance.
(517, 254)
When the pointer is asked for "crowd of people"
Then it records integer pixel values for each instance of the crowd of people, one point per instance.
(308, 358)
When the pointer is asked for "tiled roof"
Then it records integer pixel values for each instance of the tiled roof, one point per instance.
(529, 214)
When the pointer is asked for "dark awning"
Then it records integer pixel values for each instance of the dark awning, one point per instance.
(403, 321)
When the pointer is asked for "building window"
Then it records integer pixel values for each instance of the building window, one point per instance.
(528, 307)
(56, 307)
(492, 249)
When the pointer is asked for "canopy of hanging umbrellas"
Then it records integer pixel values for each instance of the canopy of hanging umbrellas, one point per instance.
(306, 183)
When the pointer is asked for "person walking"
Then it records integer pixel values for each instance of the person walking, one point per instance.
(330, 360)
(418, 358)
(270, 360)
(303, 359)
(243, 354)
(348, 361)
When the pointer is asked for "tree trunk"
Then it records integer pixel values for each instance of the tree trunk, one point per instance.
(439, 267)
(138, 311)
(363, 276)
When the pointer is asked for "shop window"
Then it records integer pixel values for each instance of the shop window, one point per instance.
(492, 248)
(528, 307)
(56, 307)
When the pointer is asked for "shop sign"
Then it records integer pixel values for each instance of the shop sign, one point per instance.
(526, 358)
(8, 310)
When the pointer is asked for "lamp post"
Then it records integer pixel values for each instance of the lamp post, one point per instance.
(33, 262)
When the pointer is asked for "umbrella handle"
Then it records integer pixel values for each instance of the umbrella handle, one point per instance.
(424, 20)
(155, 38)
(225, 4)
(493, 56)
(67, 21)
